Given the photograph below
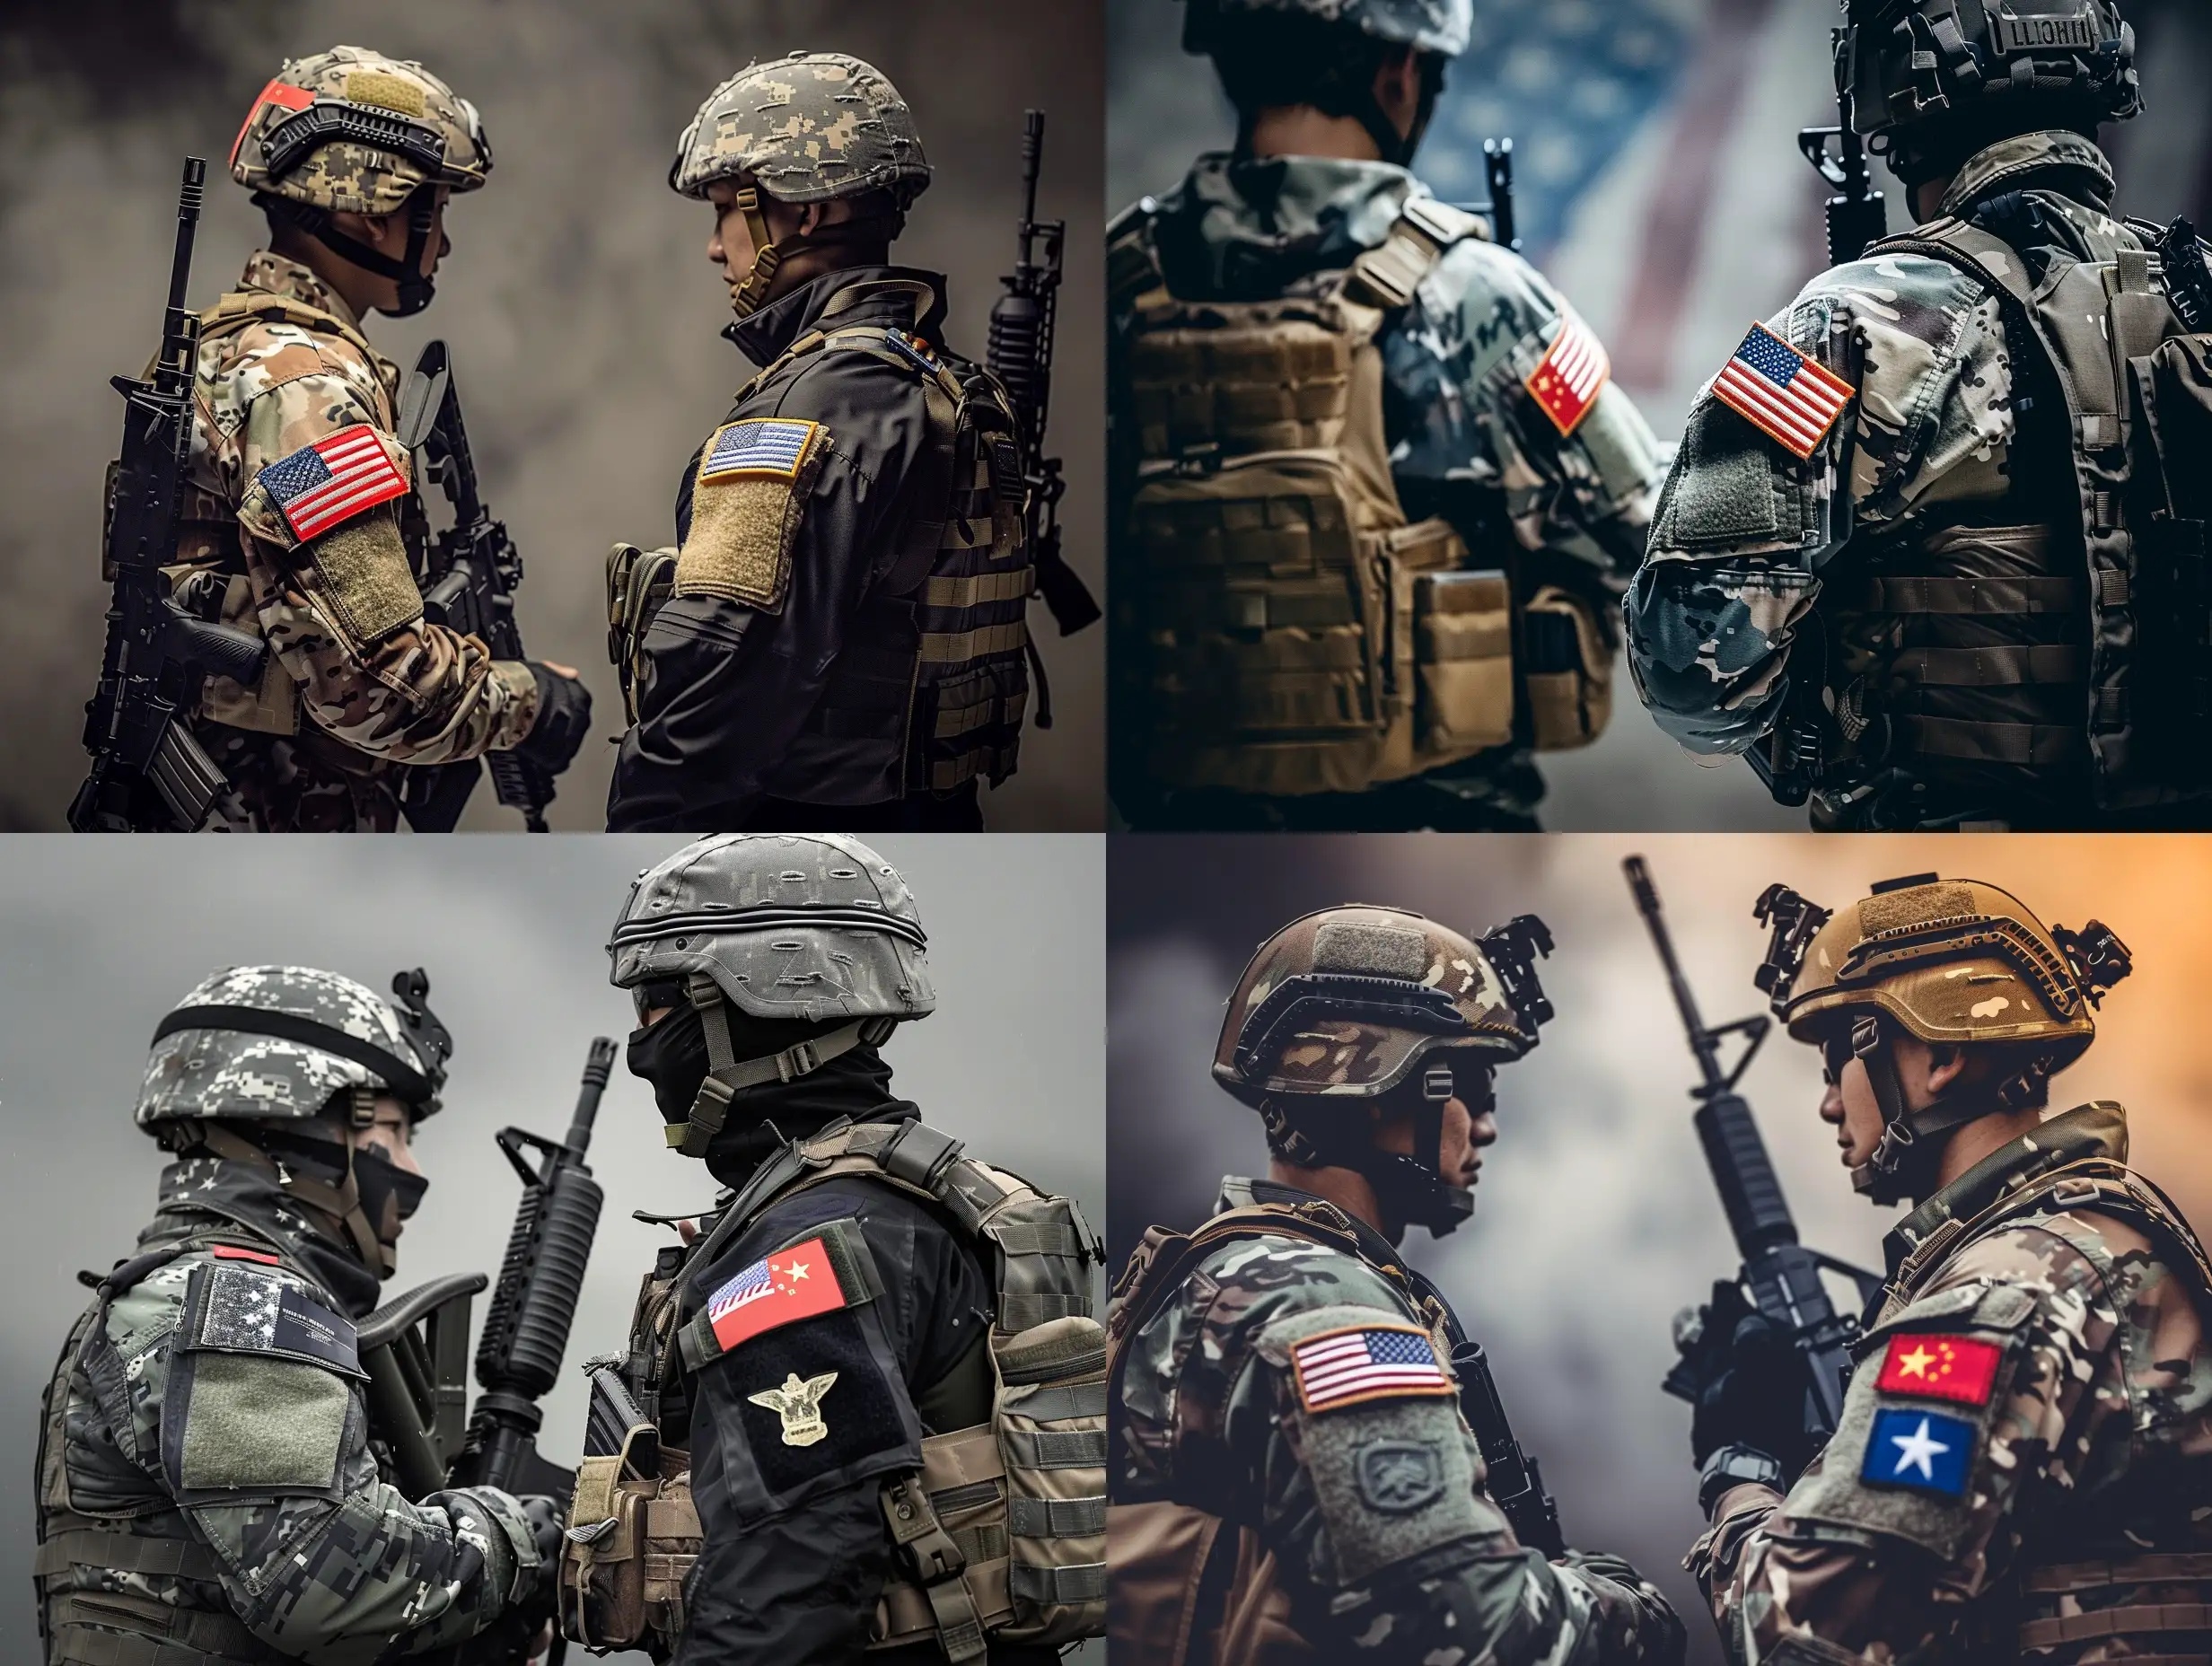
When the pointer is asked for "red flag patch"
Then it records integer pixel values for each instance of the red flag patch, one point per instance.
(277, 93)
(1568, 383)
(231, 1252)
(794, 1284)
(1940, 1368)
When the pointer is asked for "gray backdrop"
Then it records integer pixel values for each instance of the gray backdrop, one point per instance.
(1595, 1219)
(101, 942)
(578, 301)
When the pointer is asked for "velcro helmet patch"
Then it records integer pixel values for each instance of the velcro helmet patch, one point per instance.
(1932, 1366)
(1364, 1362)
(1924, 1451)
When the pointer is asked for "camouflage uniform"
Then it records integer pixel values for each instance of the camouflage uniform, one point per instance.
(359, 685)
(2063, 1518)
(205, 1474)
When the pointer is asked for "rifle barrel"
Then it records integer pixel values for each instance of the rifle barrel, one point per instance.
(596, 1070)
(1033, 161)
(1685, 999)
(188, 194)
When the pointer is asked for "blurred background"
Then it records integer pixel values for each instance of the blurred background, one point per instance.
(101, 943)
(578, 301)
(1661, 188)
(1596, 1219)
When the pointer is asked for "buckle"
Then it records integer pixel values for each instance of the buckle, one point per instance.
(1433, 219)
(797, 1060)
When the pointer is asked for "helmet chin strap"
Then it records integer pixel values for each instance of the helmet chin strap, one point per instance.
(415, 289)
(1903, 1162)
(769, 253)
(728, 1075)
(1411, 1188)
(339, 1206)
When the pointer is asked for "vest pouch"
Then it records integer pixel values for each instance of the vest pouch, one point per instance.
(1567, 669)
(631, 1545)
(1462, 653)
(639, 582)
(1049, 1416)
(1267, 622)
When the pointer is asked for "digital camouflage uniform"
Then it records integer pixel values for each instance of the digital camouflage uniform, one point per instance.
(837, 640)
(205, 1474)
(2025, 1449)
(359, 684)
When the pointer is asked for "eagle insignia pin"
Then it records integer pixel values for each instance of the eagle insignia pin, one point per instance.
(799, 1404)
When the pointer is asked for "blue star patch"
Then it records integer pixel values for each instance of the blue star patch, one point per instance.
(1923, 1451)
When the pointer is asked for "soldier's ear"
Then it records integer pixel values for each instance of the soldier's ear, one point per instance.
(1946, 1063)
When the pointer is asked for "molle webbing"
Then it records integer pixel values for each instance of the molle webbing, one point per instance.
(2142, 1625)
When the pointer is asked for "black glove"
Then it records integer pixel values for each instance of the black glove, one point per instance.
(546, 1519)
(564, 720)
(1750, 1384)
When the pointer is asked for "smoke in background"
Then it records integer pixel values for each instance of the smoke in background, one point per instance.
(101, 942)
(578, 301)
(1596, 1219)
(1661, 188)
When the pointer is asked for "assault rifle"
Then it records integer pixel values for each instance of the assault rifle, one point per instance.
(1514, 1482)
(148, 771)
(1497, 167)
(1779, 1276)
(1020, 354)
(1858, 216)
(473, 572)
(413, 1347)
(2188, 279)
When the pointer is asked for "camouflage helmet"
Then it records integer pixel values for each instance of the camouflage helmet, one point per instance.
(280, 1043)
(1949, 962)
(352, 131)
(806, 128)
(1443, 27)
(1935, 81)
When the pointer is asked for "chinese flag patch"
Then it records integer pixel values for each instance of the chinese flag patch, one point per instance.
(280, 92)
(1940, 1368)
(794, 1284)
(1567, 384)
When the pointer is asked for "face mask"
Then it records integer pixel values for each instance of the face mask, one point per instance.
(672, 1054)
(389, 1194)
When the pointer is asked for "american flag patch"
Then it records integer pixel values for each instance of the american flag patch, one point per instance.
(1567, 384)
(334, 479)
(797, 1283)
(1367, 1363)
(1781, 392)
(770, 445)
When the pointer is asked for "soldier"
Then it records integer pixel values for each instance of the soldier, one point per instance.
(838, 641)
(1884, 558)
(2025, 1448)
(207, 1492)
(877, 1351)
(1276, 1498)
(1311, 352)
(352, 156)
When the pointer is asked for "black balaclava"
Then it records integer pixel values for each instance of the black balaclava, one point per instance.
(389, 1194)
(672, 1054)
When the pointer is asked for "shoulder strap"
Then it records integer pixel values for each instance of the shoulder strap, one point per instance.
(1426, 230)
(242, 307)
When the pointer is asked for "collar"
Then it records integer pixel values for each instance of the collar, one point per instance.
(196, 1190)
(2097, 1129)
(904, 296)
(2057, 161)
(1255, 224)
(276, 274)
(1239, 1192)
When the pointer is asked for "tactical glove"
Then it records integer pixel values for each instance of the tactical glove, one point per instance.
(1750, 1385)
(564, 720)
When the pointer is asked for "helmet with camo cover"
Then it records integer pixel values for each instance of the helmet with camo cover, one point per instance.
(281, 1043)
(1950, 961)
(811, 927)
(810, 127)
(1440, 26)
(1933, 81)
(351, 131)
(1346, 1003)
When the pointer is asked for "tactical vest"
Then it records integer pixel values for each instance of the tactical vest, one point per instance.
(122, 1627)
(1190, 1587)
(2065, 1595)
(936, 662)
(1001, 1532)
(2060, 634)
(1286, 630)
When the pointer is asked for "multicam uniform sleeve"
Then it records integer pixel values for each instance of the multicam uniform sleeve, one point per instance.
(1745, 531)
(266, 1453)
(340, 609)
(1461, 409)
(2002, 1387)
(1370, 1496)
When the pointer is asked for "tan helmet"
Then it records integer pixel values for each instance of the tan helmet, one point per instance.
(351, 131)
(1343, 1004)
(1951, 962)
(810, 127)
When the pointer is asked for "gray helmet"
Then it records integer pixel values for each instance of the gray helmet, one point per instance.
(806, 926)
(1440, 26)
(279, 1043)
(1933, 81)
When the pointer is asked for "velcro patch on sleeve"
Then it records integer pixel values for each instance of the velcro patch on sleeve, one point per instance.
(231, 1252)
(1929, 1366)
(747, 505)
(1781, 392)
(1924, 1451)
(238, 1307)
(345, 474)
(1364, 1362)
(828, 1270)
(1573, 373)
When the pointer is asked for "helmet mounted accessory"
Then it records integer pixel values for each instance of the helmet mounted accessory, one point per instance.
(1792, 923)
